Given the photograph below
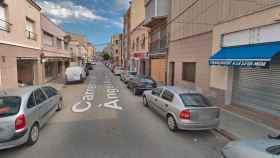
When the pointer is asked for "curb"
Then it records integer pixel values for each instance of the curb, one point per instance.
(226, 134)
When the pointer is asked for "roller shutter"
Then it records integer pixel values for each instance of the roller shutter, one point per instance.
(258, 88)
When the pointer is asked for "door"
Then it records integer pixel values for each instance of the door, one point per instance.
(154, 100)
(166, 101)
(42, 106)
(158, 70)
(33, 112)
(53, 98)
(172, 72)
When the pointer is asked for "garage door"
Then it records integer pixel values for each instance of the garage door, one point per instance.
(158, 69)
(258, 88)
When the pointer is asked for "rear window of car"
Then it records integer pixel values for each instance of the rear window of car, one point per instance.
(9, 105)
(194, 100)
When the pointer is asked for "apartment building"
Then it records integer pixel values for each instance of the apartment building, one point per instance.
(54, 50)
(78, 47)
(139, 38)
(191, 37)
(126, 38)
(20, 43)
(245, 60)
(157, 12)
(117, 51)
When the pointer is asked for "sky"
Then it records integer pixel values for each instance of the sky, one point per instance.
(98, 20)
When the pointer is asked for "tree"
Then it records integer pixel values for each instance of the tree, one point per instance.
(106, 56)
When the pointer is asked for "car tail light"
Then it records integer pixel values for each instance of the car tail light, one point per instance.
(20, 122)
(185, 114)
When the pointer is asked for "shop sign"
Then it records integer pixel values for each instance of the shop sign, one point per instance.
(239, 63)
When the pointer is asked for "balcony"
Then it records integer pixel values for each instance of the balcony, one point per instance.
(30, 35)
(4, 25)
(156, 10)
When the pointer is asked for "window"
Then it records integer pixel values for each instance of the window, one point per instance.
(49, 69)
(9, 105)
(194, 100)
(157, 91)
(117, 42)
(137, 43)
(167, 95)
(30, 29)
(188, 73)
(58, 43)
(47, 39)
(4, 25)
(50, 91)
(31, 101)
(117, 51)
(155, 44)
(39, 96)
(143, 41)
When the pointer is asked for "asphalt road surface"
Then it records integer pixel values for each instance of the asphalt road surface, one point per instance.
(115, 127)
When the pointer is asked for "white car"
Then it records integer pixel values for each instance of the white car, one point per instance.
(118, 70)
(74, 74)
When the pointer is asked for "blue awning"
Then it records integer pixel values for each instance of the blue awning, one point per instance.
(254, 55)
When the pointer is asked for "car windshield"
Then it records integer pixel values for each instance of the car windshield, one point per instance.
(9, 105)
(194, 100)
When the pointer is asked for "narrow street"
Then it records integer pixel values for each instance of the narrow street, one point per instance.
(106, 132)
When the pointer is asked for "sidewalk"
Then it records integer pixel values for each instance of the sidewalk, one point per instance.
(240, 124)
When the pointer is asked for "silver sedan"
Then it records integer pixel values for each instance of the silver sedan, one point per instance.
(24, 111)
(183, 109)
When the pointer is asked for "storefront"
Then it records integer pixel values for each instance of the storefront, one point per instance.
(140, 63)
(245, 65)
(26, 71)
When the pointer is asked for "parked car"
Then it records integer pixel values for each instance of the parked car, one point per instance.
(263, 148)
(183, 109)
(118, 70)
(24, 111)
(127, 75)
(141, 83)
(74, 74)
(93, 62)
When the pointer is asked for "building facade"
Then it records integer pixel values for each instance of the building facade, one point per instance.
(117, 50)
(78, 47)
(249, 74)
(191, 37)
(126, 38)
(157, 12)
(54, 50)
(20, 43)
(139, 38)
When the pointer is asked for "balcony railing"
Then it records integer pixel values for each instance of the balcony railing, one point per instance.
(4, 25)
(30, 35)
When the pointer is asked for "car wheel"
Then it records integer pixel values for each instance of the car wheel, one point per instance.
(145, 101)
(171, 123)
(33, 134)
(59, 106)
